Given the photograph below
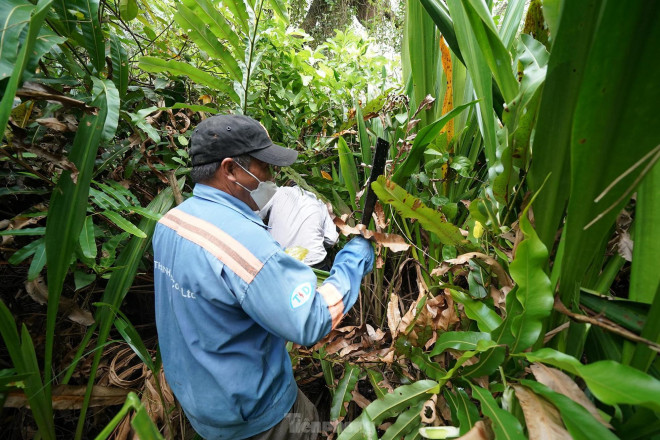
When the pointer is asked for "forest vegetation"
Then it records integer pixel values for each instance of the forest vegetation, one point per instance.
(516, 292)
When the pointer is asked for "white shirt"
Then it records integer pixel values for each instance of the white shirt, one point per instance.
(298, 218)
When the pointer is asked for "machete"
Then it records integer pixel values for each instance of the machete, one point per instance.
(378, 168)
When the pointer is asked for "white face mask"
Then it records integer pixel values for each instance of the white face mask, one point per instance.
(264, 191)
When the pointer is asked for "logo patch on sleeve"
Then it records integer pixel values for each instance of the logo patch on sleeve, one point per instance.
(301, 295)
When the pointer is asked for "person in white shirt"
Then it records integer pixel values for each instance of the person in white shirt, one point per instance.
(298, 218)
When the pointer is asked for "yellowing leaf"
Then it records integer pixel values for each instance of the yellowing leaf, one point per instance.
(326, 175)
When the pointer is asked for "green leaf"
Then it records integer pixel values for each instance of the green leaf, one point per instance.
(343, 392)
(458, 341)
(464, 412)
(66, 214)
(572, 42)
(504, 424)
(533, 290)
(511, 22)
(93, 38)
(38, 262)
(208, 42)
(361, 428)
(365, 141)
(216, 23)
(644, 274)
(425, 136)
(107, 88)
(144, 212)
(407, 421)
(82, 279)
(119, 283)
(610, 382)
(124, 224)
(25, 231)
(410, 206)
(14, 16)
(87, 240)
(579, 422)
(25, 252)
(486, 318)
(120, 66)
(128, 9)
(239, 14)
(348, 168)
(375, 377)
(158, 65)
(475, 61)
(36, 22)
(610, 154)
(401, 398)
(643, 356)
(279, 6)
(133, 339)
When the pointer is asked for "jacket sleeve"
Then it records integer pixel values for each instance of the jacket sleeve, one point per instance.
(284, 299)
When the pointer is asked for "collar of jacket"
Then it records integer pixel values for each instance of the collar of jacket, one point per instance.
(217, 196)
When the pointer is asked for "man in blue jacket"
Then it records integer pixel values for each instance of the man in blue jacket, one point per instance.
(228, 298)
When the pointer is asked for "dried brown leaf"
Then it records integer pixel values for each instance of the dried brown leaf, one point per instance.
(53, 124)
(426, 104)
(360, 400)
(428, 413)
(72, 396)
(38, 291)
(393, 315)
(541, 417)
(480, 431)
(498, 270)
(560, 382)
(394, 242)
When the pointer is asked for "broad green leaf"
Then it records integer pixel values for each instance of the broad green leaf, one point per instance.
(36, 22)
(628, 314)
(496, 55)
(572, 42)
(504, 424)
(401, 398)
(239, 14)
(82, 279)
(464, 412)
(644, 274)
(103, 200)
(158, 65)
(93, 38)
(361, 428)
(579, 422)
(216, 23)
(511, 22)
(87, 241)
(439, 13)
(128, 9)
(643, 356)
(486, 318)
(144, 212)
(419, 58)
(348, 168)
(24, 360)
(25, 252)
(423, 360)
(405, 423)
(120, 66)
(124, 224)
(14, 16)
(144, 426)
(279, 6)
(411, 207)
(343, 392)
(205, 39)
(375, 377)
(66, 214)
(120, 282)
(116, 193)
(610, 154)
(476, 64)
(489, 361)
(425, 136)
(107, 88)
(38, 261)
(458, 341)
(533, 290)
(610, 382)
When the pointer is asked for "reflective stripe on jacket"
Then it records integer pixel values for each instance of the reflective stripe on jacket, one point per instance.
(227, 300)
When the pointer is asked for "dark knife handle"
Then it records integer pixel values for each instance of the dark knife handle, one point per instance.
(378, 168)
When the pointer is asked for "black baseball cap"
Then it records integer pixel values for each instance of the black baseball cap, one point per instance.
(222, 136)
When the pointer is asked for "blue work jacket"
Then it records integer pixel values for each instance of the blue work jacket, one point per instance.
(228, 298)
